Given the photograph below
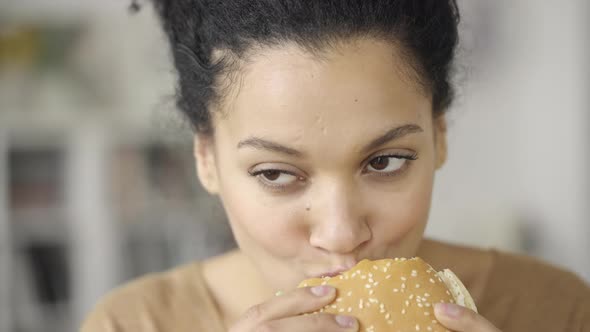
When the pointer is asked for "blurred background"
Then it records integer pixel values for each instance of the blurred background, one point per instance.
(97, 180)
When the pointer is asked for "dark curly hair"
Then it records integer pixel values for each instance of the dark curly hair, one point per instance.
(425, 30)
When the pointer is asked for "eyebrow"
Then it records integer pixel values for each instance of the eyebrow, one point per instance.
(262, 144)
(391, 135)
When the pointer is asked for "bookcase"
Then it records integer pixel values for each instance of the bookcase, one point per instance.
(85, 208)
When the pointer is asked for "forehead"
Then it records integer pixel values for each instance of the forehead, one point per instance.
(358, 86)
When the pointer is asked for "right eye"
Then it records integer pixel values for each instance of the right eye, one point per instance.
(276, 179)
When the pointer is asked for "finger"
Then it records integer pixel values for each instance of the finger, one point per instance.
(312, 323)
(461, 319)
(298, 301)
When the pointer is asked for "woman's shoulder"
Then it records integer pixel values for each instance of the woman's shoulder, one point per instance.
(530, 294)
(519, 292)
(173, 300)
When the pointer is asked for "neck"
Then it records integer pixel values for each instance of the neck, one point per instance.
(236, 285)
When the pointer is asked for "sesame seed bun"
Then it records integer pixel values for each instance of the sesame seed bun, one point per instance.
(393, 294)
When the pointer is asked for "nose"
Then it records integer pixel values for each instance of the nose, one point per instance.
(339, 222)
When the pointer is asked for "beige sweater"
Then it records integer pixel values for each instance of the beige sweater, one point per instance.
(516, 293)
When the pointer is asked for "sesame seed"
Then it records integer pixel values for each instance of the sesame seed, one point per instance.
(429, 328)
(349, 309)
(427, 304)
(349, 293)
(367, 285)
(390, 322)
(339, 299)
(414, 273)
(333, 306)
(360, 303)
(434, 321)
(387, 315)
(341, 310)
(340, 277)
(448, 293)
(370, 292)
(404, 278)
(426, 295)
(411, 296)
(324, 282)
(363, 277)
(395, 290)
(388, 264)
(376, 283)
(431, 280)
(373, 300)
(426, 313)
(420, 305)
(375, 267)
(403, 311)
(370, 275)
(417, 285)
(403, 286)
(388, 276)
(407, 303)
(417, 327)
(384, 270)
(382, 306)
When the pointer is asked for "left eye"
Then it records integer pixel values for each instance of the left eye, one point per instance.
(386, 164)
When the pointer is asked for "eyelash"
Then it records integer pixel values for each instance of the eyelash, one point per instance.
(283, 188)
(274, 187)
(409, 158)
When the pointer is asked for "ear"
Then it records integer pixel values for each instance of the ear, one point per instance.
(206, 163)
(440, 140)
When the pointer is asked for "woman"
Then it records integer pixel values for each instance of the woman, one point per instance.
(320, 125)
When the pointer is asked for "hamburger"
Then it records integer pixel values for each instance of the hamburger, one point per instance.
(393, 294)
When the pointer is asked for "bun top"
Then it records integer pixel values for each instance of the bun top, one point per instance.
(388, 295)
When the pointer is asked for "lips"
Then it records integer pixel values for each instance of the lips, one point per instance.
(332, 272)
(334, 269)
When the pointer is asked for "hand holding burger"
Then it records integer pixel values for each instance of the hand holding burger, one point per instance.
(402, 295)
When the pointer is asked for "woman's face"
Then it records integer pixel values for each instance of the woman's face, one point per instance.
(320, 163)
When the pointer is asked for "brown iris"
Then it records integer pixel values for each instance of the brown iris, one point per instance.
(380, 163)
(271, 175)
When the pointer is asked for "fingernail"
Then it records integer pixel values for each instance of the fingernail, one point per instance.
(448, 309)
(321, 290)
(345, 321)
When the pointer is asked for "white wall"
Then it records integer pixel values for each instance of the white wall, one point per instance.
(519, 138)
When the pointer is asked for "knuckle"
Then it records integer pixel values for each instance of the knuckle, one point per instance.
(316, 320)
(320, 322)
(254, 313)
(265, 327)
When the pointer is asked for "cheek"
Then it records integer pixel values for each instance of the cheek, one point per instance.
(402, 215)
(259, 225)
